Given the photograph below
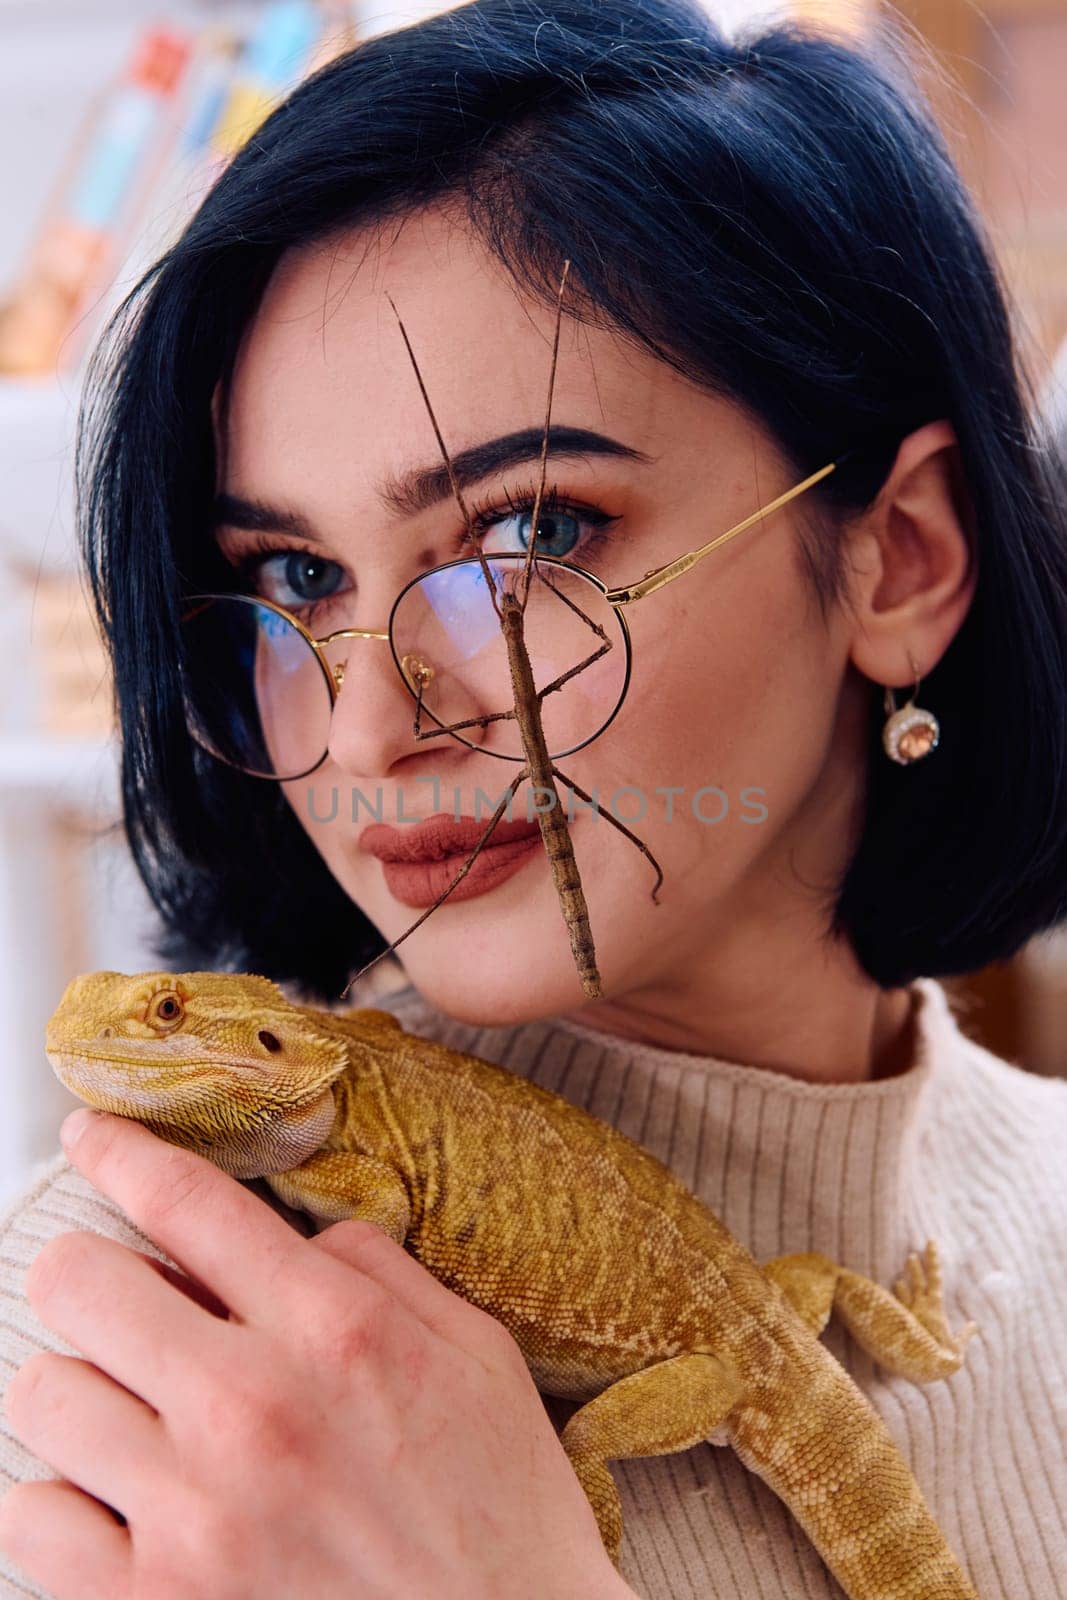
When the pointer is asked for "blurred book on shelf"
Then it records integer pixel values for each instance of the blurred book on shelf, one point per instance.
(74, 254)
(148, 150)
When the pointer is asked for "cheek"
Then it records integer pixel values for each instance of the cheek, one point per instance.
(322, 808)
(722, 694)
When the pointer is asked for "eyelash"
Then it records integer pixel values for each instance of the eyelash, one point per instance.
(484, 517)
(488, 513)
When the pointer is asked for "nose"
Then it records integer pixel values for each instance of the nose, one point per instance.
(372, 726)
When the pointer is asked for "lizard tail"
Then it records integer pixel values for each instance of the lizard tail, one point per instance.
(834, 1463)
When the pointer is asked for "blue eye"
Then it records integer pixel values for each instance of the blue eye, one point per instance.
(557, 534)
(559, 531)
(297, 578)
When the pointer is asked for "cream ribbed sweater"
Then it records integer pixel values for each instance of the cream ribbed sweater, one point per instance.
(963, 1148)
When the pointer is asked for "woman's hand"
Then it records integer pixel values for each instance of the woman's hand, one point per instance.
(353, 1430)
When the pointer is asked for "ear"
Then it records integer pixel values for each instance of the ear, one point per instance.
(911, 555)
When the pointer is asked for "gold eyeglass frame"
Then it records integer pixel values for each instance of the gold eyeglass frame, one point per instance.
(624, 595)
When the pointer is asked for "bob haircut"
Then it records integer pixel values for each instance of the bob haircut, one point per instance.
(778, 218)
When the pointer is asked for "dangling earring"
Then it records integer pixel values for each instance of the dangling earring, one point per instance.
(910, 733)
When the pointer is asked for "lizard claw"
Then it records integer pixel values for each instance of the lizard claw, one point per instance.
(921, 1294)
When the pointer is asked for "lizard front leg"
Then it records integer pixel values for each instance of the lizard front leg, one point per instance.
(334, 1185)
(907, 1331)
(657, 1411)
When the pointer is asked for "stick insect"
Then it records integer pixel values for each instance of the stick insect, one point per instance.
(538, 766)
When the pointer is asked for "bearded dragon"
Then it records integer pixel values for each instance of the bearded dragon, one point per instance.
(619, 1286)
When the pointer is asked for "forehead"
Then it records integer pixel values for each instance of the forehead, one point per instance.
(323, 377)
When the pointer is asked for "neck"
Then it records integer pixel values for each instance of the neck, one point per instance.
(812, 1014)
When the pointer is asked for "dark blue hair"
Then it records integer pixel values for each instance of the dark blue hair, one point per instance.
(777, 217)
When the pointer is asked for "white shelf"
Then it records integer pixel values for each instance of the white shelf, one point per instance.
(37, 427)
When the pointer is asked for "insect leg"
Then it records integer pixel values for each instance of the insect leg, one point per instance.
(645, 851)
(572, 672)
(453, 727)
(460, 875)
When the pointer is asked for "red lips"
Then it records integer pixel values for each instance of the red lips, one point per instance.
(421, 861)
(442, 835)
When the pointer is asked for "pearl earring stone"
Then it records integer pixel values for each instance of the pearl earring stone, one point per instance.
(909, 734)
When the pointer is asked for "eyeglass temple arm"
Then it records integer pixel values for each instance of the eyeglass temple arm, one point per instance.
(659, 576)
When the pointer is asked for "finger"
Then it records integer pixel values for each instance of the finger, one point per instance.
(217, 1232)
(91, 1429)
(366, 1246)
(188, 1286)
(121, 1314)
(68, 1543)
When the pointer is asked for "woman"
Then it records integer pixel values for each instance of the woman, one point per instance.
(774, 269)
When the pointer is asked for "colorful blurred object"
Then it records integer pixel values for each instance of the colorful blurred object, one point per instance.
(76, 247)
(149, 149)
(274, 59)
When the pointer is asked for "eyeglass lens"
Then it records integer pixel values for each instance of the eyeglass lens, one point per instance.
(577, 644)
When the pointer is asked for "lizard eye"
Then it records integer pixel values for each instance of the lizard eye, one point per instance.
(165, 1010)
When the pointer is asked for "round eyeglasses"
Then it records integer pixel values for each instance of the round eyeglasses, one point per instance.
(260, 690)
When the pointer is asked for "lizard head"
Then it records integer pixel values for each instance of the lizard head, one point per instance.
(221, 1063)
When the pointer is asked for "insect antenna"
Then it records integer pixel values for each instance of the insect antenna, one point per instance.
(468, 524)
(536, 512)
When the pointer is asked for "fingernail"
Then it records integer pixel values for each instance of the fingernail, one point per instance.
(74, 1126)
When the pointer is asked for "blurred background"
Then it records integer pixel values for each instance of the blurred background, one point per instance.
(115, 115)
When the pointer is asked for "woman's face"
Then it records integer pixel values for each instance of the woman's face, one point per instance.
(737, 754)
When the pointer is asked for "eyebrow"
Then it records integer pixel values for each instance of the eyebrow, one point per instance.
(422, 487)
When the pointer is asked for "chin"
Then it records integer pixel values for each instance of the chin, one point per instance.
(493, 987)
(502, 958)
